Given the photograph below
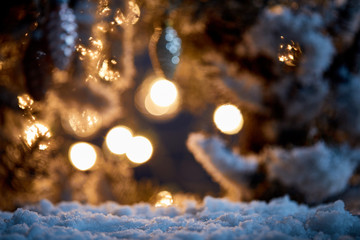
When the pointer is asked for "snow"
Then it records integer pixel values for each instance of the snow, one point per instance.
(226, 167)
(304, 28)
(317, 171)
(214, 218)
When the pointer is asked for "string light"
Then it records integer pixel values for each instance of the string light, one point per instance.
(164, 199)
(154, 109)
(158, 99)
(163, 93)
(118, 139)
(140, 150)
(228, 119)
(34, 132)
(82, 156)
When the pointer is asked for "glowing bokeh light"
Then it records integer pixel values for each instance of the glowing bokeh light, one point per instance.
(34, 132)
(163, 93)
(154, 109)
(228, 119)
(158, 98)
(82, 156)
(140, 150)
(164, 199)
(118, 139)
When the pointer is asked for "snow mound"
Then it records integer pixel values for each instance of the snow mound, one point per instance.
(213, 219)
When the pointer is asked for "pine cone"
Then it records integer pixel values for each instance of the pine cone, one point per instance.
(61, 35)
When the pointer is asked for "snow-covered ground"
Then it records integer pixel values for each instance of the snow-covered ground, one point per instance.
(213, 219)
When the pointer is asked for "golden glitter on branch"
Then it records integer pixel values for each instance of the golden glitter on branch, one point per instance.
(289, 52)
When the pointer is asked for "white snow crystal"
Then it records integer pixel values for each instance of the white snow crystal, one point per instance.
(303, 28)
(229, 169)
(213, 219)
(317, 171)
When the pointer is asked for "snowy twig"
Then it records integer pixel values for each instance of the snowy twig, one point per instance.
(230, 170)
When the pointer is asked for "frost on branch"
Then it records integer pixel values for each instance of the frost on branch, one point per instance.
(290, 28)
(230, 170)
(347, 108)
(317, 171)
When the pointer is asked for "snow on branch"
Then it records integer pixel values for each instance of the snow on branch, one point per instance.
(227, 168)
(317, 171)
(275, 30)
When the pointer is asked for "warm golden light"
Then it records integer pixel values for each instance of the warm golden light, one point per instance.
(82, 156)
(82, 123)
(132, 15)
(25, 101)
(34, 132)
(140, 150)
(163, 93)
(93, 52)
(158, 99)
(164, 199)
(154, 109)
(228, 119)
(277, 9)
(106, 73)
(118, 139)
(289, 52)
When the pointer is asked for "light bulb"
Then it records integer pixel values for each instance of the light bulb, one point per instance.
(163, 93)
(158, 99)
(82, 156)
(228, 119)
(118, 139)
(140, 150)
(164, 199)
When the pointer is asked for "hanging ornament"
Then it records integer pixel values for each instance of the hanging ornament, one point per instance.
(37, 134)
(289, 52)
(37, 67)
(128, 17)
(164, 49)
(61, 33)
(81, 123)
